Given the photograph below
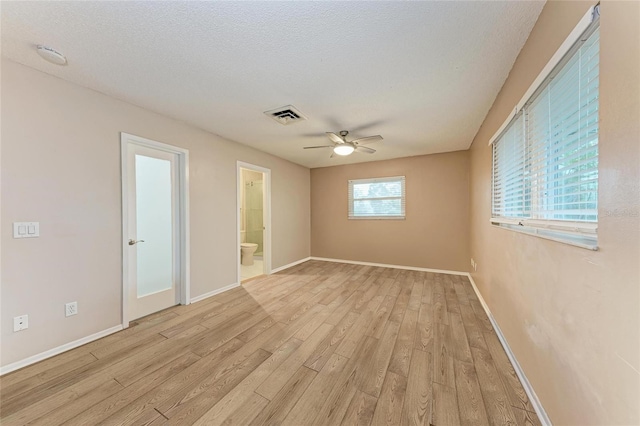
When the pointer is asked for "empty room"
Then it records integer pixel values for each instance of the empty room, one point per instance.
(320, 213)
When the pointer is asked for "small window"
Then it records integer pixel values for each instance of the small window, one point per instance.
(545, 161)
(378, 198)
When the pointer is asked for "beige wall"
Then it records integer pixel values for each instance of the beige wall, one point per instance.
(61, 167)
(435, 233)
(572, 315)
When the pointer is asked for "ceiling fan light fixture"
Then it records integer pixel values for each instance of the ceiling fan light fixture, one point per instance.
(343, 149)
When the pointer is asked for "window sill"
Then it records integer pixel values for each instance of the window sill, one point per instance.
(582, 241)
(376, 218)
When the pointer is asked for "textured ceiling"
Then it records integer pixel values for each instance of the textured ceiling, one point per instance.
(421, 74)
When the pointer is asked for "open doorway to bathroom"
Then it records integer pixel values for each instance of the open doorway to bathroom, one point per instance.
(254, 218)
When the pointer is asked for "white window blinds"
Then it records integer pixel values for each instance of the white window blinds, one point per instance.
(545, 161)
(378, 198)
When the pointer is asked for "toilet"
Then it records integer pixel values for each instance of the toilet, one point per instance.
(246, 250)
(246, 253)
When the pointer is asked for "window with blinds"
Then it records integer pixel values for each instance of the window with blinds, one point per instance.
(545, 161)
(378, 198)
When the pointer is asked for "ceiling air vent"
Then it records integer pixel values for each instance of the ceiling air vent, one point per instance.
(286, 115)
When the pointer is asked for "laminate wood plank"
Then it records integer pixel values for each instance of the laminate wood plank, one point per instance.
(470, 402)
(389, 408)
(445, 406)
(475, 334)
(443, 372)
(526, 418)
(337, 400)
(306, 409)
(452, 299)
(461, 294)
(427, 291)
(371, 378)
(460, 345)
(128, 377)
(150, 418)
(178, 381)
(104, 368)
(517, 395)
(416, 295)
(245, 414)
(100, 411)
(129, 344)
(257, 329)
(281, 375)
(481, 315)
(353, 337)
(370, 290)
(312, 325)
(286, 332)
(380, 317)
(440, 312)
(187, 408)
(425, 328)
(237, 396)
(56, 402)
(401, 356)
(327, 347)
(339, 294)
(402, 301)
(345, 307)
(471, 294)
(417, 404)
(496, 401)
(14, 388)
(67, 411)
(278, 408)
(360, 410)
(225, 332)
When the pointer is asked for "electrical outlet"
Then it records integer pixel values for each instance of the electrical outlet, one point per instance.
(71, 308)
(20, 323)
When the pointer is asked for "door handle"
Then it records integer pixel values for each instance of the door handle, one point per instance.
(133, 242)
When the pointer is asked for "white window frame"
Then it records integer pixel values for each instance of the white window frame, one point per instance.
(402, 198)
(581, 234)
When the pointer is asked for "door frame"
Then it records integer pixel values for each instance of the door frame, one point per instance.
(266, 212)
(184, 256)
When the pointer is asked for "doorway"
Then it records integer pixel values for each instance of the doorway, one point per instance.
(155, 228)
(254, 221)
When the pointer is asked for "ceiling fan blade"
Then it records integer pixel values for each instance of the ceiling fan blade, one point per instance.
(368, 139)
(335, 138)
(365, 149)
(321, 146)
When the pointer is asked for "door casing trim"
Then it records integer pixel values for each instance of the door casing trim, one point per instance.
(184, 256)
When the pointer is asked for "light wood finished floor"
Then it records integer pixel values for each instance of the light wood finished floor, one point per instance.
(318, 344)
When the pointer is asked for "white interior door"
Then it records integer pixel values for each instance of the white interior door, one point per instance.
(153, 230)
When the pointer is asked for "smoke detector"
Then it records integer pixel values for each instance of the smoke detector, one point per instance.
(51, 55)
(286, 115)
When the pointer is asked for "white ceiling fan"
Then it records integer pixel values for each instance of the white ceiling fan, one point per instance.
(342, 146)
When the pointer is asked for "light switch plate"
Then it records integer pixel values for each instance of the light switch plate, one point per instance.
(26, 229)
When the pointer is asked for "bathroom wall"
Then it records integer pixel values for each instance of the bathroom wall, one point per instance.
(61, 167)
(570, 315)
(435, 233)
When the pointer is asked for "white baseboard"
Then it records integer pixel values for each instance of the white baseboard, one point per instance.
(214, 292)
(384, 265)
(537, 405)
(289, 265)
(55, 351)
